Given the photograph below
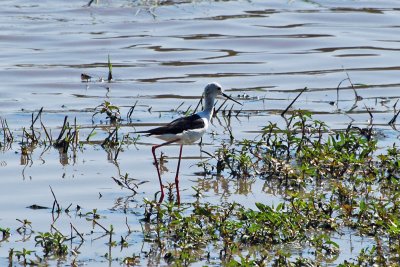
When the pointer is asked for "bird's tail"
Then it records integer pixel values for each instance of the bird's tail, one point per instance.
(146, 133)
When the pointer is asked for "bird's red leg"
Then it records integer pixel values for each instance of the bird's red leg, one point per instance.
(177, 177)
(153, 149)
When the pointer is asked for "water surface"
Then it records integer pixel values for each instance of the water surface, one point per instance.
(263, 53)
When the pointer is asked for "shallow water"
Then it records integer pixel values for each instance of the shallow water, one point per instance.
(163, 56)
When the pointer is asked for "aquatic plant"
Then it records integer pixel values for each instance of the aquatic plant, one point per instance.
(328, 181)
(53, 244)
(112, 111)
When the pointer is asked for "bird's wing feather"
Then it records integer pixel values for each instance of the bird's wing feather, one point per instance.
(179, 125)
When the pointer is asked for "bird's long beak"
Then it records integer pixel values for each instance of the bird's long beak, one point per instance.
(230, 98)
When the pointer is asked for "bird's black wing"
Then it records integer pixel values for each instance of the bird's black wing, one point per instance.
(178, 126)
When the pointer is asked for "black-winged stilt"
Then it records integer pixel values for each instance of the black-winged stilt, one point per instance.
(186, 130)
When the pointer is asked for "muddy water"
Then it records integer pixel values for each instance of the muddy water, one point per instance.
(163, 55)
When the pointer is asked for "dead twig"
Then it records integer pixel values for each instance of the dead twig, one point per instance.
(110, 76)
(294, 100)
(396, 114)
(130, 111)
(77, 232)
(55, 203)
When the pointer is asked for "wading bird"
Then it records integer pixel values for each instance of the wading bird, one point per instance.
(186, 130)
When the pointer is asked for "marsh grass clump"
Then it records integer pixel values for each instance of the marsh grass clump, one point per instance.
(5, 233)
(112, 112)
(124, 181)
(8, 138)
(53, 244)
(68, 137)
(329, 179)
(233, 233)
(305, 150)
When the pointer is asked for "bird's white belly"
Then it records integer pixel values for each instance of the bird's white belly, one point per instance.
(184, 138)
(191, 136)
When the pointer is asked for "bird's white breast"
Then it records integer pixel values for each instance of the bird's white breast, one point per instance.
(188, 136)
(191, 136)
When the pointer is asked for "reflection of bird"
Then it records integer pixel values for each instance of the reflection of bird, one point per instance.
(186, 130)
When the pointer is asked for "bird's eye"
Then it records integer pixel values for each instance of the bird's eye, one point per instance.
(219, 88)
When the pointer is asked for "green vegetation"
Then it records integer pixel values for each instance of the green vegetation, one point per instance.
(329, 182)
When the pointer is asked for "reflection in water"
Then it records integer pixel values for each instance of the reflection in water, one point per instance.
(124, 204)
(162, 163)
(225, 187)
(26, 161)
(63, 157)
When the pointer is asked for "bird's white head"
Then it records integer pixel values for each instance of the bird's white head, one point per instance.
(212, 90)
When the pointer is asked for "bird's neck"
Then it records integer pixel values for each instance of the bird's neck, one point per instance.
(209, 106)
(208, 110)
